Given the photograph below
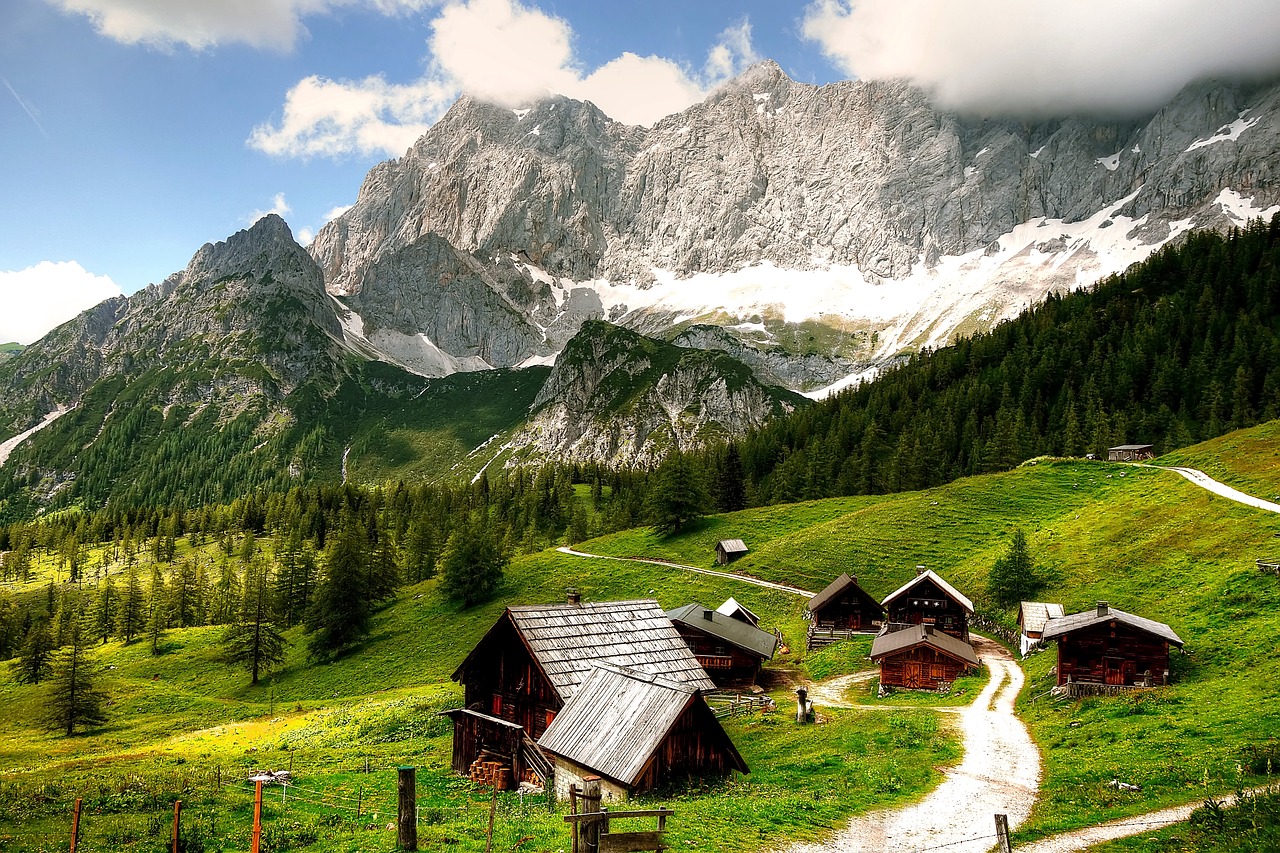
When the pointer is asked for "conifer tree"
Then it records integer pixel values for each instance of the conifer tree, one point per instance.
(10, 625)
(157, 612)
(472, 564)
(254, 640)
(731, 481)
(340, 612)
(73, 700)
(131, 614)
(1013, 576)
(36, 657)
(676, 495)
(105, 613)
(226, 595)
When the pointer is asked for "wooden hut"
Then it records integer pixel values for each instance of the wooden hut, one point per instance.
(1032, 616)
(732, 651)
(728, 550)
(927, 599)
(1130, 453)
(1108, 646)
(635, 730)
(921, 657)
(528, 666)
(734, 609)
(844, 605)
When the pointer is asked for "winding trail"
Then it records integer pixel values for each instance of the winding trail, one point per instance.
(747, 579)
(1000, 773)
(1204, 481)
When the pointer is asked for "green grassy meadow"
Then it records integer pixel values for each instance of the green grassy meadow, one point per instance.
(1146, 540)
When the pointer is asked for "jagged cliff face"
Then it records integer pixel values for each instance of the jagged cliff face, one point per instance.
(835, 226)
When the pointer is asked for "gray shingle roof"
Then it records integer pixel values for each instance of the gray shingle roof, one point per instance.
(1063, 625)
(1034, 614)
(569, 640)
(732, 546)
(917, 635)
(734, 631)
(617, 719)
(947, 588)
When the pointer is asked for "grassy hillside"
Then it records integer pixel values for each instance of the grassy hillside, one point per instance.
(1144, 539)
(1247, 459)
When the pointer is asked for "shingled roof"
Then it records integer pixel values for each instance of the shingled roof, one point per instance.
(955, 594)
(1034, 614)
(1103, 614)
(734, 631)
(619, 717)
(921, 635)
(569, 640)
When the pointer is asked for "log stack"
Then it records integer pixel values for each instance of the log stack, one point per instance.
(488, 771)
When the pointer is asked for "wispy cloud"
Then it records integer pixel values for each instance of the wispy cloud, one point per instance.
(46, 295)
(31, 113)
(279, 207)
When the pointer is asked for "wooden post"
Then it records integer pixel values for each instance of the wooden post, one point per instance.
(177, 817)
(407, 805)
(573, 810)
(291, 762)
(493, 810)
(75, 825)
(1002, 833)
(359, 798)
(590, 829)
(257, 819)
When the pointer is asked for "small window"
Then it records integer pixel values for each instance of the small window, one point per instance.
(497, 705)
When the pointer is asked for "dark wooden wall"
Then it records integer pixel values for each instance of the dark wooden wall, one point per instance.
(502, 679)
(848, 611)
(726, 664)
(696, 746)
(922, 667)
(1112, 653)
(946, 615)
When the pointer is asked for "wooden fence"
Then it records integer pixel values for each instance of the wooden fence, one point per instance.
(733, 704)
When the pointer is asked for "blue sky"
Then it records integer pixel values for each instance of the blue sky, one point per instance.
(133, 131)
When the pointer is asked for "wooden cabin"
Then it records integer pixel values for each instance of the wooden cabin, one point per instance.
(921, 657)
(635, 730)
(1032, 616)
(1109, 646)
(728, 550)
(927, 599)
(732, 651)
(737, 610)
(845, 606)
(1131, 453)
(527, 669)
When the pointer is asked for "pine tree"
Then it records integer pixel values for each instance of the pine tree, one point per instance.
(1013, 577)
(73, 699)
(254, 640)
(472, 564)
(340, 612)
(731, 481)
(36, 657)
(226, 595)
(676, 495)
(10, 625)
(105, 614)
(130, 615)
(157, 612)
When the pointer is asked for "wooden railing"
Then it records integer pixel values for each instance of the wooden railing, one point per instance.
(715, 661)
(732, 704)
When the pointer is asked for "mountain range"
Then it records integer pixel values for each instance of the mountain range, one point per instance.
(613, 291)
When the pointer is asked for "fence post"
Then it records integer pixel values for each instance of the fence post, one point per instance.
(75, 825)
(257, 818)
(407, 804)
(1002, 833)
(590, 829)
(177, 817)
(493, 810)
(573, 810)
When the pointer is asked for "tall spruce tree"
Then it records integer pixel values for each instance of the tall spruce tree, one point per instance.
(472, 564)
(105, 613)
(35, 660)
(157, 609)
(676, 495)
(340, 612)
(73, 700)
(254, 640)
(131, 614)
(1013, 577)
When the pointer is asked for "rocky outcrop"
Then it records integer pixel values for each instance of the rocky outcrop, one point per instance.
(934, 223)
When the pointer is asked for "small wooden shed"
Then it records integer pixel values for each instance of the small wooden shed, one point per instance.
(1032, 616)
(728, 550)
(635, 730)
(732, 651)
(1131, 453)
(845, 606)
(921, 657)
(927, 599)
(1109, 646)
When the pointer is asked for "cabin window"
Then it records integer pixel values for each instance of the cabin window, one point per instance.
(497, 705)
(551, 715)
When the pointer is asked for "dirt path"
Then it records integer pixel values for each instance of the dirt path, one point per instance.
(1000, 773)
(1204, 481)
(782, 587)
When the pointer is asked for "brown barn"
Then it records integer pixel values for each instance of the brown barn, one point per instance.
(1032, 617)
(730, 650)
(1109, 646)
(845, 606)
(927, 599)
(635, 730)
(527, 669)
(921, 657)
(1131, 453)
(728, 550)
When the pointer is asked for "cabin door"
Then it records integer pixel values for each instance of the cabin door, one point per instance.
(911, 674)
(1113, 671)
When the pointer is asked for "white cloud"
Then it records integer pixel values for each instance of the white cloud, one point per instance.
(497, 50)
(279, 207)
(36, 299)
(1047, 56)
(201, 24)
(335, 212)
